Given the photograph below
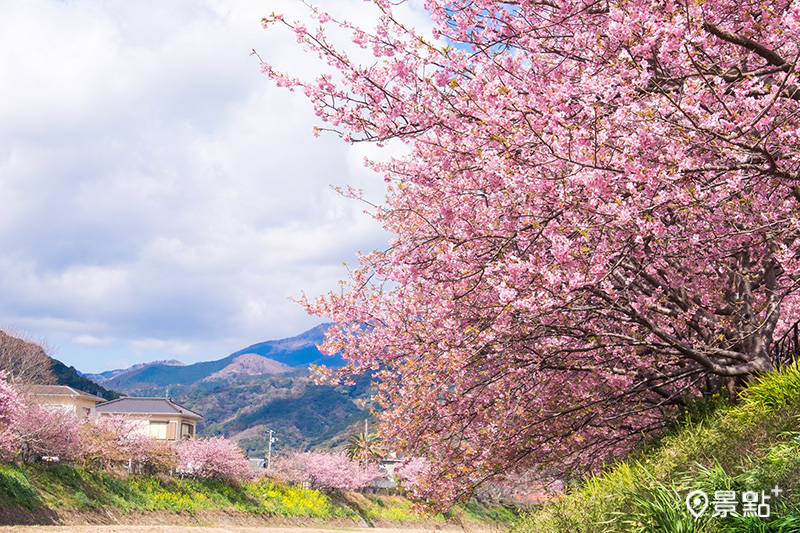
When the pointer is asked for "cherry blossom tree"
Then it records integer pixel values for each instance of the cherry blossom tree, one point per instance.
(48, 431)
(213, 458)
(119, 440)
(10, 407)
(337, 471)
(287, 469)
(26, 362)
(155, 456)
(598, 217)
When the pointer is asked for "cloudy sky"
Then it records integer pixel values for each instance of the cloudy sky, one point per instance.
(160, 199)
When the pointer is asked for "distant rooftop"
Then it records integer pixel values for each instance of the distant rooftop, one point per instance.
(145, 406)
(60, 390)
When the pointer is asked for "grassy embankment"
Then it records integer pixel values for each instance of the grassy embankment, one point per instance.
(48, 491)
(752, 446)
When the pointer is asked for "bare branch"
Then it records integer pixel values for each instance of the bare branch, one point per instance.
(734, 38)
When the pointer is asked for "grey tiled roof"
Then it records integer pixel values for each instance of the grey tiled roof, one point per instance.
(142, 406)
(60, 390)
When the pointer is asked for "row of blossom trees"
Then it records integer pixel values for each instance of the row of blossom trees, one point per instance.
(29, 432)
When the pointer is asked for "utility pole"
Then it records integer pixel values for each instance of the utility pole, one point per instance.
(269, 450)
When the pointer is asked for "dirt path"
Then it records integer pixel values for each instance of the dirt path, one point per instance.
(202, 529)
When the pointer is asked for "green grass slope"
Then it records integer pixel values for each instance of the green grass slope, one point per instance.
(44, 493)
(752, 446)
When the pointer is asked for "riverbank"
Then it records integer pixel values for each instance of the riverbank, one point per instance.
(63, 495)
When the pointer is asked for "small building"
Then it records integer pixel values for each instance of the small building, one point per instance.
(257, 463)
(63, 397)
(161, 418)
(388, 465)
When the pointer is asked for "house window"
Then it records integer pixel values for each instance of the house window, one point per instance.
(187, 431)
(158, 430)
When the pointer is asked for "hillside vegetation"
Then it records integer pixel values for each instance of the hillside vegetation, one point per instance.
(302, 413)
(266, 386)
(67, 375)
(752, 446)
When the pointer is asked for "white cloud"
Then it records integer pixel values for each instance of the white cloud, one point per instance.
(171, 347)
(161, 198)
(91, 340)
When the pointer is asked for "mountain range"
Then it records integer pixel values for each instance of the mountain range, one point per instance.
(266, 386)
(264, 358)
(245, 395)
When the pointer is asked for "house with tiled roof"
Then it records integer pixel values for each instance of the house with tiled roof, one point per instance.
(161, 418)
(63, 397)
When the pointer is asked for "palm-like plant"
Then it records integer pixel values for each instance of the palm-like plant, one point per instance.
(364, 448)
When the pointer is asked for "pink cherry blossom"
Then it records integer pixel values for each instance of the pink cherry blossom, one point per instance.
(598, 217)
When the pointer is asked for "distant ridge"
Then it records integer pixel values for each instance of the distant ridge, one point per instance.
(296, 351)
(249, 364)
(67, 375)
(264, 387)
(276, 356)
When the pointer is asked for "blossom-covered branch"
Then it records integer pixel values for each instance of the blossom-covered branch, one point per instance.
(598, 218)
